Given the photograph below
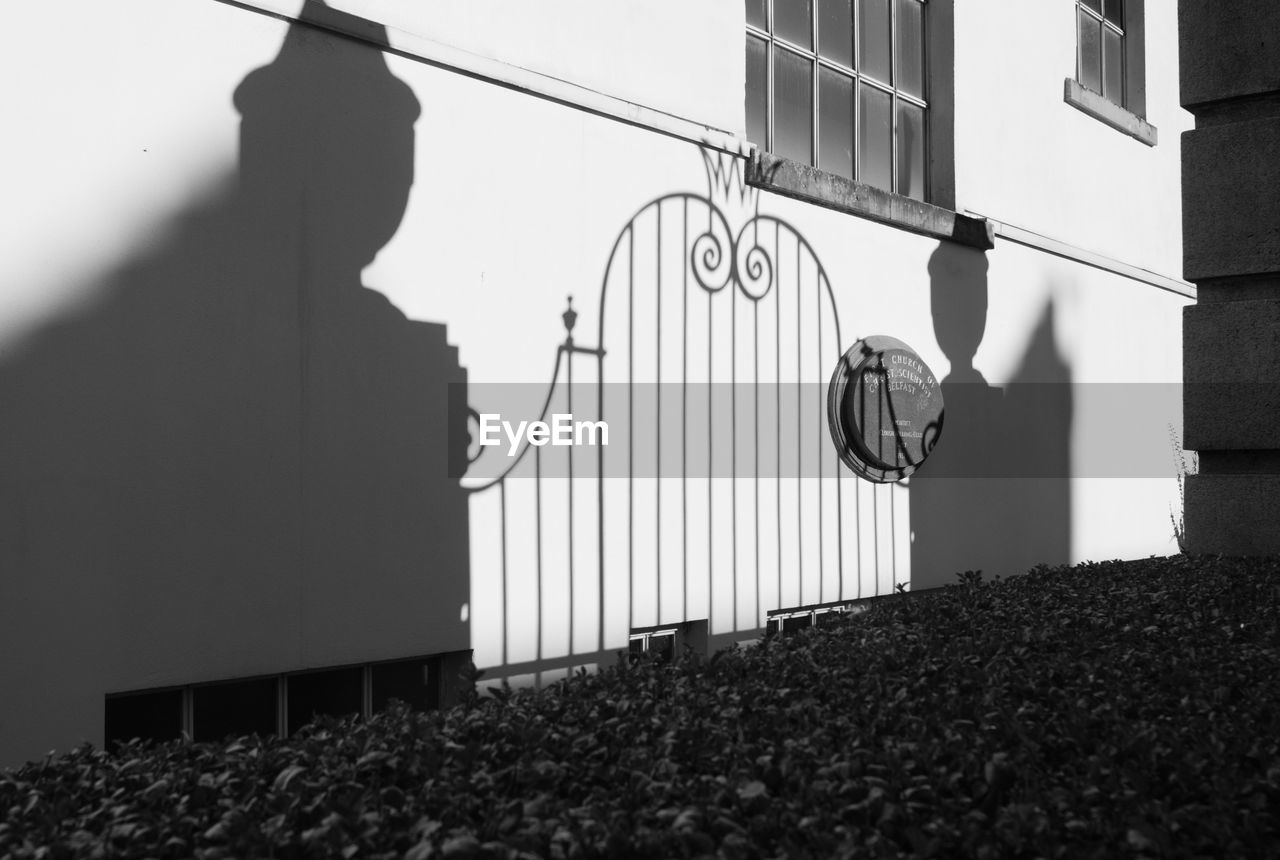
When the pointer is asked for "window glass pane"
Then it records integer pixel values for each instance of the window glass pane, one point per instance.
(835, 30)
(875, 138)
(835, 123)
(1095, 5)
(410, 681)
(237, 708)
(910, 47)
(1113, 11)
(910, 150)
(873, 41)
(797, 622)
(757, 91)
(793, 21)
(1112, 66)
(792, 106)
(335, 693)
(635, 650)
(150, 716)
(1089, 59)
(662, 647)
(755, 14)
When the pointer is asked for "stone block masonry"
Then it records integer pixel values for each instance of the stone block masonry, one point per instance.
(1230, 81)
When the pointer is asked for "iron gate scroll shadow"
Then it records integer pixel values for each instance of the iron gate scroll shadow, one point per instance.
(995, 495)
(719, 496)
(235, 460)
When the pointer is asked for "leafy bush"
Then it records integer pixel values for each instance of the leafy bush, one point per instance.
(1114, 709)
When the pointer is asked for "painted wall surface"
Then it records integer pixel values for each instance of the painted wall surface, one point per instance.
(222, 456)
(1026, 157)
(680, 58)
(1090, 185)
(245, 285)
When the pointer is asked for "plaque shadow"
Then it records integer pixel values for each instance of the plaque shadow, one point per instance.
(236, 459)
(995, 494)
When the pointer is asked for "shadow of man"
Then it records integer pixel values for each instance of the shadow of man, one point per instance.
(327, 167)
(236, 461)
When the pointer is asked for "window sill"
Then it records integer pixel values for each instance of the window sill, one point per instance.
(793, 179)
(1106, 111)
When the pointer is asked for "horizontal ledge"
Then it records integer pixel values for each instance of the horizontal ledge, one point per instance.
(1090, 258)
(803, 182)
(1106, 111)
(1238, 109)
(414, 47)
(1239, 288)
(1233, 462)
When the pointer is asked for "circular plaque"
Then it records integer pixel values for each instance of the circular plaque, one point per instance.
(884, 408)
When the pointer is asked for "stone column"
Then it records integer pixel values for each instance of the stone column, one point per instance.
(1230, 81)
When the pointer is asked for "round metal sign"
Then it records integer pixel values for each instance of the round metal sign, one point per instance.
(884, 409)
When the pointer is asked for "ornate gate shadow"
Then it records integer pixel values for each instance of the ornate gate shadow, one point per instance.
(719, 495)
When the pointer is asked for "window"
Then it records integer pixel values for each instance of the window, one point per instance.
(1110, 80)
(155, 715)
(1100, 48)
(331, 693)
(840, 85)
(785, 621)
(234, 708)
(656, 644)
(668, 642)
(414, 682)
(282, 704)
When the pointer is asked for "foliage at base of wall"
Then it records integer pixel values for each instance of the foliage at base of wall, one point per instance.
(1109, 709)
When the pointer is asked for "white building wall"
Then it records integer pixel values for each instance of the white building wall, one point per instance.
(679, 58)
(217, 442)
(1027, 158)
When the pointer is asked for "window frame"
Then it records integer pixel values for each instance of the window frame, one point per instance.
(1127, 115)
(644, 636)
(813, 55)
(684, 636)
(1105, 24)
(435, 669)
(784, 622)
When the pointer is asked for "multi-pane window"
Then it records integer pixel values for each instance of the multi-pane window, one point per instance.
(659, 645)
(273, 704)
(840, 84)
(1100, 48)
(786, 621)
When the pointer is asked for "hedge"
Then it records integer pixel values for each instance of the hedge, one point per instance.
(1106, 710)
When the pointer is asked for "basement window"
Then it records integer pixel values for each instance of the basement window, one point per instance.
(234, 708)
(154, 716)
(276, 704)
(656, 643)
(414, 682)
(787, 621)
(332, 693)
